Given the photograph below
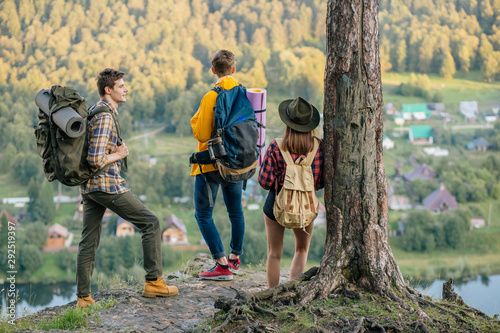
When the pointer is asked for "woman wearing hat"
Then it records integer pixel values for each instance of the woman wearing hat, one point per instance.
(301, 120)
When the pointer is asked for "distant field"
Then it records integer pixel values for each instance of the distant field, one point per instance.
(10, 188)
(162, 144)
(464, 87)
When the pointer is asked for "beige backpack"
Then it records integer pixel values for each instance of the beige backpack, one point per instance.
(296, 206)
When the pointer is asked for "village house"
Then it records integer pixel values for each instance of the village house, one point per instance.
(423, 172)
(399, 202)
(10, 217)
(491, 118)
(477, 222)
(436, 151)
(480, 144)
(416, 112)
(124, 228)
(468, 107)
(421, 135)
(391, 110)
(495, 108)
(440, 200)
(436, 108)
(446, 117)
(387, 143)
(175, 233)
(58, 238)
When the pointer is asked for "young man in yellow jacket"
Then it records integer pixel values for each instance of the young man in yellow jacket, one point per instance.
(207, 184)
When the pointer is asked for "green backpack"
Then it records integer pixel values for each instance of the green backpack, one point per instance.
(64, 158)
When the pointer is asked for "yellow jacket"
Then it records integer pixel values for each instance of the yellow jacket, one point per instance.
(203, 123)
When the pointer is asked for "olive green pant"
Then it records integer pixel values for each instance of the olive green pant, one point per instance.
(127, 206)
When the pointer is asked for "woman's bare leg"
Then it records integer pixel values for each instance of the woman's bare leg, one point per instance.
(275, 234)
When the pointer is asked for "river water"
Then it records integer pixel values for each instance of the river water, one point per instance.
(36, 296)
(481, 293)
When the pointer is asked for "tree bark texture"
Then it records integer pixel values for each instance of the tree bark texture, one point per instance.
(357, 250)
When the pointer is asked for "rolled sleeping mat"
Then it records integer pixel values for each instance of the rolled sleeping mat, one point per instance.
(257, 98)
(67, 119)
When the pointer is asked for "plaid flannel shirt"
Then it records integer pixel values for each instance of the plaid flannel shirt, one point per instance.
(101, 130)
(273, 167)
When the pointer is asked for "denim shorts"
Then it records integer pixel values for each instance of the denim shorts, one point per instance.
(269, 204)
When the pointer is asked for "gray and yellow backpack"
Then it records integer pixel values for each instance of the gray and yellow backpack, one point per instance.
(64, 157)
(296, 205)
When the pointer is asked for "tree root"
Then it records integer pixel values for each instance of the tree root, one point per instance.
(432, 304)
(229, 319)
(244, 305)
(287, 290)
(257, 308)
(359, 326)
(420, 325)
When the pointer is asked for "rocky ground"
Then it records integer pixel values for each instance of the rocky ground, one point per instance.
(181, 313)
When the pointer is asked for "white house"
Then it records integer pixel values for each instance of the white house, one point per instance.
(387, 143)
(468, 107)
(436, 151)
(491, 118)
(477, 222)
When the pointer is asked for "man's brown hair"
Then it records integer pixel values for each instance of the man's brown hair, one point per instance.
(298, 142)
(107, 78)
(223, 62)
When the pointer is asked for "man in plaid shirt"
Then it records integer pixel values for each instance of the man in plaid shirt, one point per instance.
(107, 190)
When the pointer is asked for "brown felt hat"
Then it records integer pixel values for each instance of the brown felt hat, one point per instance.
(299, 115)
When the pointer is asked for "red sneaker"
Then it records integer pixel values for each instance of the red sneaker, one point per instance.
(234, 265)
(217, 273)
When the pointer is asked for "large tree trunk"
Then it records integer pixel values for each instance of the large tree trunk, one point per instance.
(357, 250)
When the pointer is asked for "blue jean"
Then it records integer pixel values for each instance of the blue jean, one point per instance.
(231, 192)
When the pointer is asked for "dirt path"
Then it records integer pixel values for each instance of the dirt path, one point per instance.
(140, 136)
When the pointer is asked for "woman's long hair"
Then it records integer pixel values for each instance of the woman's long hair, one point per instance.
(298, 142)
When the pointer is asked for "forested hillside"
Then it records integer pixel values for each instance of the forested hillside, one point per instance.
(440, 36)
(164, 46)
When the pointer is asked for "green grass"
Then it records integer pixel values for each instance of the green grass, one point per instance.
(65, 211)
(69, 319)
(9, 187)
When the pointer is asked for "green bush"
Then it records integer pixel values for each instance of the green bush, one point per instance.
(30, 258)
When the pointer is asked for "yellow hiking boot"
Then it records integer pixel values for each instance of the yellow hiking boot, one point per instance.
(158, 288)
(84, 302)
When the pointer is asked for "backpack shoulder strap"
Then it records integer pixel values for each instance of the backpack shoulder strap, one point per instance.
(286, 154)
(101, 109)
(312, 153)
